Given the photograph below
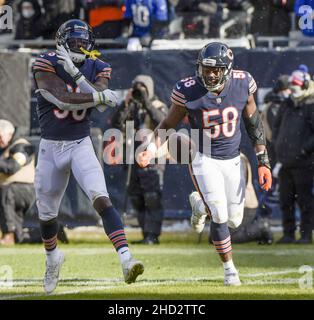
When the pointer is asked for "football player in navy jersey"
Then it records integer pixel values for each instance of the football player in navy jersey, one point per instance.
(215, 100)
(70, 82)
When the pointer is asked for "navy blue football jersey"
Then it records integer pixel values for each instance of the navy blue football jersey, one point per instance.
(217, 117)
(56, 124)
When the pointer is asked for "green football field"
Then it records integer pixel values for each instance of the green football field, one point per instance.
(178, 268)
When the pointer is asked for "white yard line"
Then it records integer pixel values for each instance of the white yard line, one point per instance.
(156, 282)
(152, 251)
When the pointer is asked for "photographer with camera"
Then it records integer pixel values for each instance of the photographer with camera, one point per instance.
(144, 187)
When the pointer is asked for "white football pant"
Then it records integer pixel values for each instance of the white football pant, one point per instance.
(56, 159)
(222, 187)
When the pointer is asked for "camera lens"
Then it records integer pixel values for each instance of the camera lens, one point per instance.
(137, 94)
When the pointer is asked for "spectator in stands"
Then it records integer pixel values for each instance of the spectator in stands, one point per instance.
(26, 27)
(306, 17)
(144, 189)
(198, 17)
(293, 136)
(145, 20)
(17, 172)
(57, 12)
(271, 17)
(105, 17)
(269, 201)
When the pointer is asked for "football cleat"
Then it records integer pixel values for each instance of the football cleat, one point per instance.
(198, 217)
(131, 270)
(52, 273)
(232, 279)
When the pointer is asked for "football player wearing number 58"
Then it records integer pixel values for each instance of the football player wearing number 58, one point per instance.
(216, 100)
(71, 82)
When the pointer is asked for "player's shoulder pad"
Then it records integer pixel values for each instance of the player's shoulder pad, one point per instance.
(245, 79)
(183, 90)
(103, 69)
(45, 62)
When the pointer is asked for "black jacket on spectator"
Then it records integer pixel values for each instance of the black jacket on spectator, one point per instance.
(56, 13)
(271, 17)
(28, 28)
(294, 133)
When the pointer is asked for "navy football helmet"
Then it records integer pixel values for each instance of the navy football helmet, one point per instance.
(73, 35)
(214, 65)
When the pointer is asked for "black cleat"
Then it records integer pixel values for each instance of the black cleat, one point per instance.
(149, 239)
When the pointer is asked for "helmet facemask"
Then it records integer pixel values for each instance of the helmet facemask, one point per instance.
(213, 78)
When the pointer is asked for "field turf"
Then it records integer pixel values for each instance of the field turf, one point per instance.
(178, 268)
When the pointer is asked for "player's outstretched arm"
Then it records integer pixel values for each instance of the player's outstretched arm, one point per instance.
(173, 118)
(96, 88)
(255, 130)
(53, 89)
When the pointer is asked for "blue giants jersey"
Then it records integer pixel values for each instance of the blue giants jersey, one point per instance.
(143, 13)
(56, 124)
(217, 117)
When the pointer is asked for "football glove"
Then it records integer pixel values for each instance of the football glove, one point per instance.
(106, 97)
(66, 61)
(264, 173)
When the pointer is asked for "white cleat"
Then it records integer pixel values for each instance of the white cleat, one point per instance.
(232, 279)
(131, 270)
(198, 217)
(52, 274)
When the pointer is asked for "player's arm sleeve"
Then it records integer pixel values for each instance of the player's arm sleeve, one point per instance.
(103, 72)
(43, 64)
(252, 84)
(53, 89)
(20, 155)
(177, 97)
(253, 123)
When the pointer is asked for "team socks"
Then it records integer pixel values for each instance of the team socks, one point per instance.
(49, 233)
(221, 237)
(114, 229)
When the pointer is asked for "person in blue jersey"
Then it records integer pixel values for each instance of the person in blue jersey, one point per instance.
(216, 100)
(149, 18)
(71, 82)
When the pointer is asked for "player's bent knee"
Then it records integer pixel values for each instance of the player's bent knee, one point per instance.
(101, 203)
(235, 221)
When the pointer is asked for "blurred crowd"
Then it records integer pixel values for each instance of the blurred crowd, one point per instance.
(145, 20)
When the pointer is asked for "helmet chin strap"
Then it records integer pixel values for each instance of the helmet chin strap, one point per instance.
(93, 54)
(80, 57)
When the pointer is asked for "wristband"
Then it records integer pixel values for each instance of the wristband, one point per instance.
(97, 96)
(263, 160)
(78, 76)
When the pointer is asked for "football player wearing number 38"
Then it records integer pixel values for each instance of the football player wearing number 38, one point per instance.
(70, 82)
(215, 100)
